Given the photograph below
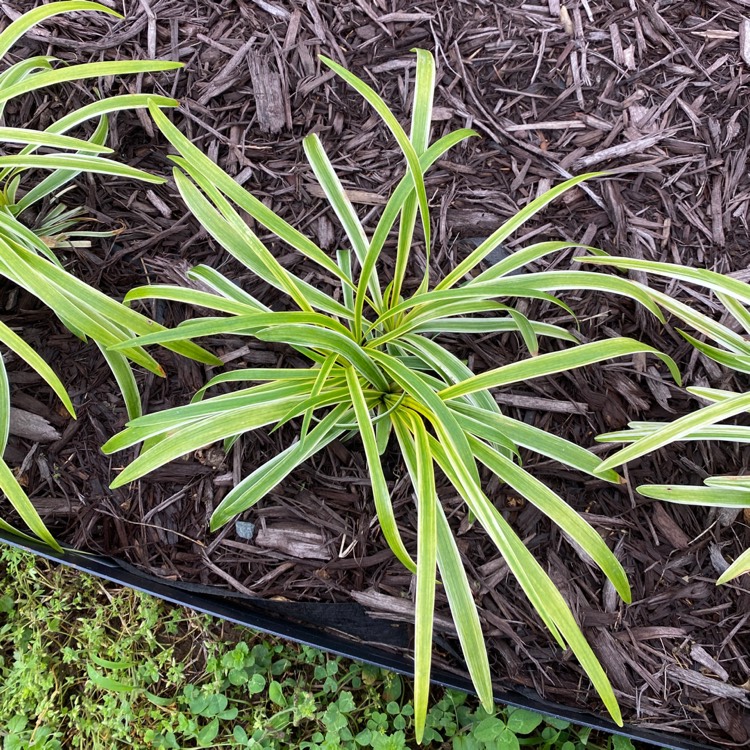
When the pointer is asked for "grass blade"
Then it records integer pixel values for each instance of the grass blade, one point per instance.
(738, 567)
(92, 164)
(510, 226)
(557, 510)
(455, 582)
(14, 31)
(208, 174)
(49, 140)
(717, 497)
(554, 362)
(680, 427)
(24, 507)
(84, 71)
(492, 425)
(380, 492)
(412, 158)
(259, 483)
(333, 341)
(427, 543)
(14, 342)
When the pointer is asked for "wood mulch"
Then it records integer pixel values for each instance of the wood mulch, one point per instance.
(654, 92)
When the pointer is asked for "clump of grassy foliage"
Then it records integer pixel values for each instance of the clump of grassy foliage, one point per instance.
(726, 342)
(27, 250)
(379, 370)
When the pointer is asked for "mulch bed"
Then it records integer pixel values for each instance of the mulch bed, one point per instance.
(655, 92)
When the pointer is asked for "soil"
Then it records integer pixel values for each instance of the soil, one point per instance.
(654, 92)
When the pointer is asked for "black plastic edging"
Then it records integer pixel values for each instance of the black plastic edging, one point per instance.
(277, 625)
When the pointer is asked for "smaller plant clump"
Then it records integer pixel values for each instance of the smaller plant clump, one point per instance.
(377, 370)
(27, 257)
(730, 349)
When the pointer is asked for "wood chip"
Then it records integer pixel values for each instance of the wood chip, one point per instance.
(637, 146)
(365, 197)
(541, 404)
(294, 540)
(670, 530)
(30, 426)
(744, 40)
(700, 655)
(708, 684)
(396, 608)
(548, 125)
(567, 24)
(269, 102)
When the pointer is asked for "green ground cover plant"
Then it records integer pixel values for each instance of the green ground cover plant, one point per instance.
(27, 251)
(377, 370)
(731, 349)
(87, 665)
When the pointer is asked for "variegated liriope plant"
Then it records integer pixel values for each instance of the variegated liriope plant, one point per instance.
(730, 348)
(27, 256)
(377, 368)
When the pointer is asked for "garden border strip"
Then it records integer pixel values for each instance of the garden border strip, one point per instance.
(274, 623)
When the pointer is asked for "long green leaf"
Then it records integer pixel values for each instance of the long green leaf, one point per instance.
(558, 511)
(535, 583)
(397, 202)
(427, 543)
(14, 31)
(54, 182)
(492, 425)
(330, 341)
(545, 281)
(125, 378)
(259, 483)
(342, 206)
(455, 581)
(84, 71)
(638, 430)
(222, 407)
(733, 360)
(198, 435)
(17, 497)
(521, 258)
(421, 122)
(248, 324)
(108, 106)
(510, 226)
(92, 164)
(380, 493)
(738, 567)
(491, 325)
(222, 285)
(548, 364)
(14, 342)
(49, 140)
(680, 427)
(4, 407)
(718, 497)
(710, 279)
(433, 408)
(412, 157)
(108, 308)
(190, 297)
(216, 177)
